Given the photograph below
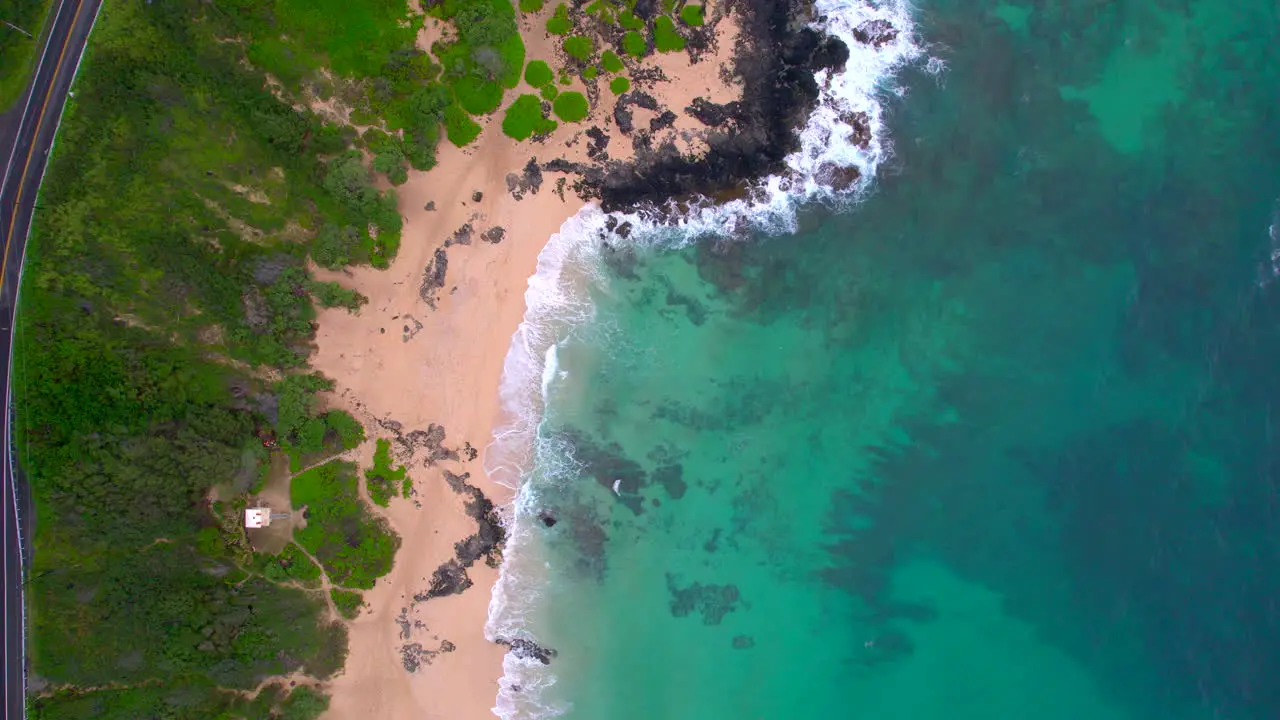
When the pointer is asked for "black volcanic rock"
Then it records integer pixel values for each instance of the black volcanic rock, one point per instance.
(528, 649)
(448, 579)
(875, 33)
(663, 121)
(713, 114)
(776, 60)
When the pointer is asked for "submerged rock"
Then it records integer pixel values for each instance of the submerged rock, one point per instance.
(528, 649)
(713, 602)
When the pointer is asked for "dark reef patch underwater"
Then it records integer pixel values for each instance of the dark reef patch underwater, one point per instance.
(996, 443)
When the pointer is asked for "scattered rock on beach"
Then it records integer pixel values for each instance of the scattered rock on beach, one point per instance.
(461, 236)
(448, 579)
(414, 656)
(433, 277)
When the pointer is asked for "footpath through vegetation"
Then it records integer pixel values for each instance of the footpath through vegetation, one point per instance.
(211, 150)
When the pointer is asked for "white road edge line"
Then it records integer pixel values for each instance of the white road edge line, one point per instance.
(22, 119)
(17, 292)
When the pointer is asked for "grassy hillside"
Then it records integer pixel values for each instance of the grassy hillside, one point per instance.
(165, 325)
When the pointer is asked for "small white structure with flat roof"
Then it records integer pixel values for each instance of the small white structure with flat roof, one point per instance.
(257, 517)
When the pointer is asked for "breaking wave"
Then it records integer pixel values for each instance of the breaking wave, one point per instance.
(557, 301)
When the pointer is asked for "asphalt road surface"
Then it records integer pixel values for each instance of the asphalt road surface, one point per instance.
(27, 132)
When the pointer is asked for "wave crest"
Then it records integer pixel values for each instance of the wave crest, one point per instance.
(557, 300)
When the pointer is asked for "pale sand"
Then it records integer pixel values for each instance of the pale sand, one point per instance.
(447, 372)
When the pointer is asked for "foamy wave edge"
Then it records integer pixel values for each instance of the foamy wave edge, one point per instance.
(555, 303)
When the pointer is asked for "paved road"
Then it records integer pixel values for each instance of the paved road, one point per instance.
(28, 132)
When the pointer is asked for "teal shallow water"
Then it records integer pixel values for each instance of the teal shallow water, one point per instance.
(996, 444)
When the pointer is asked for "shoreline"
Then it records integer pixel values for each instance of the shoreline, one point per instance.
(429, 350)
(443, 367)
(423, 362)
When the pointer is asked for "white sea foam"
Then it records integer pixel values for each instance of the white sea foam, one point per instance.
(557, 301)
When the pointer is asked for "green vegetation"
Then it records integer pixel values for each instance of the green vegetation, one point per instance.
(18, 51)
(634, 44)
(331, 294)
(538, 73)
(559, 23)
(665, 37)
(291, 564)
(156, 296)
(382, 480)
(579, 47)
(459, 127)
(549, 92)
(530, 6)
(619, 85)
(590, 72)
(571, 106)
(353, 546)
(610, 61)
(175, 617)
(347, 602)
(525, 118)
(197, 699)
(692, 15)
(305, 433)
(628, 20)
(166, 321)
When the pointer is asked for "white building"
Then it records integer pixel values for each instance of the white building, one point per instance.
(257, 517)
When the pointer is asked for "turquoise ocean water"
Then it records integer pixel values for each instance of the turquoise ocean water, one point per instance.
(995, 441)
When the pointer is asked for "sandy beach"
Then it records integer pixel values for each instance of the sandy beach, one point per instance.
(418, 355)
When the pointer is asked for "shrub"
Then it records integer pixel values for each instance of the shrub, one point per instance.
(620, 85)
(524, 118)
(692, 15)
(349, 430)
(559, 24)
(549, 92)
(347, 602)
(459, 127)
(530, 6)
(420, 147)
(633, 44)
(334, 247)
(629, 21)
(538, 73)
(580, 47)
(390, 161)
(382, 480)
(331, 295)
(610, 61)
(665, 37)
(590, 72)
(571, 106)
(566, 79)
(304, 703)
(476, 96)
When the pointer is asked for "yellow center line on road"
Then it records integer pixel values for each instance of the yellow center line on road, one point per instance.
(22, 180)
